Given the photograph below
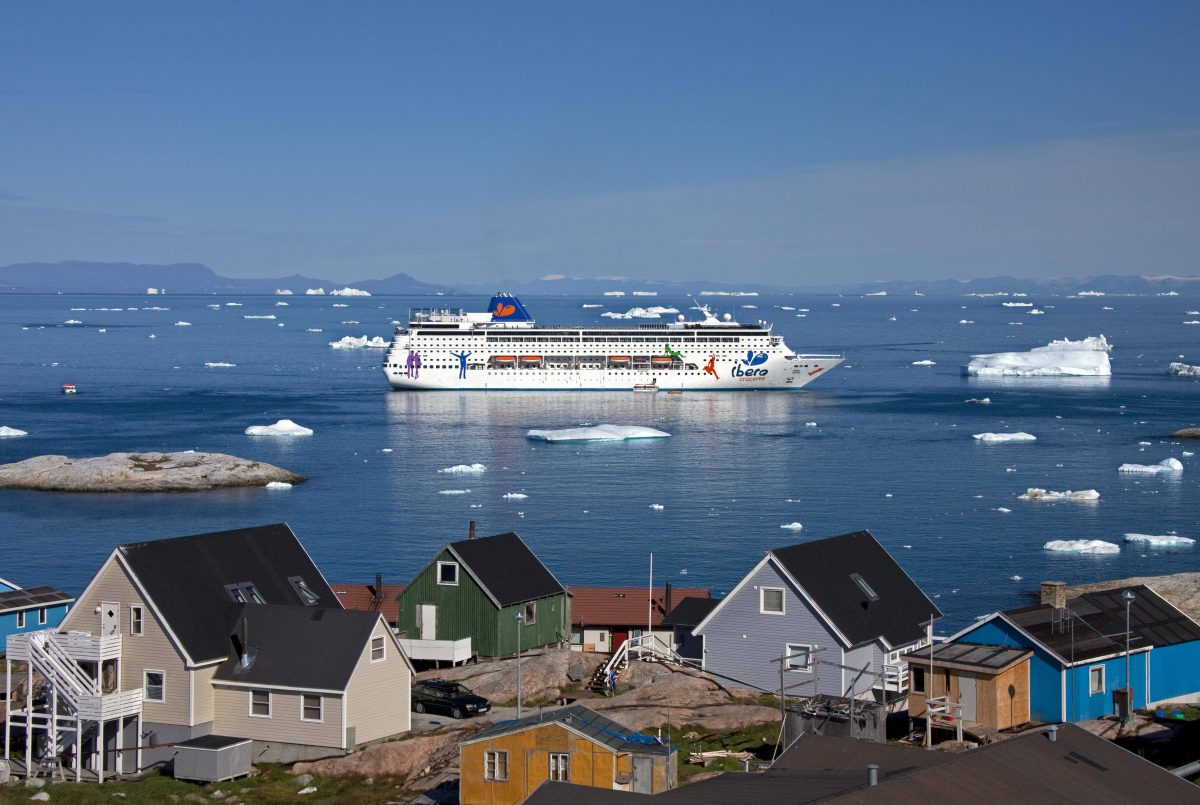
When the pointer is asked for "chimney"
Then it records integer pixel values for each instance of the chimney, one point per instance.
(471, 530)
(245, 644)
(377, 598)
(872, 775)
(1052, 733)
(1054, 593)
(667, 599)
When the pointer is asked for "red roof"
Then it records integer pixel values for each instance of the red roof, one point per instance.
(622, 606)
(362, 597)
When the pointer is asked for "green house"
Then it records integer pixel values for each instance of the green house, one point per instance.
(477, 588)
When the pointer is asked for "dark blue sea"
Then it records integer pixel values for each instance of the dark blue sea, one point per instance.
(891, 451)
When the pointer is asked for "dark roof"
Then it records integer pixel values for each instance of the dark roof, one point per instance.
(185, 578)
(363, 598)
(969, 657)
(690, 611)
(32, 597)
(582, 719)
(1098, 621)
(824, 569)
(505, 567)
(299, 647)
(212, 742)
(552, 793)
(624, 606)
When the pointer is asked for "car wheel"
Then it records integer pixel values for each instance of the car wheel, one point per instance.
(419, 707)
(456, 712)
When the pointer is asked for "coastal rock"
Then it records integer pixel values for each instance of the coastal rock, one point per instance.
(1186, 433)
(141, 472)
(1180, 589)
(392, 759)
(544, 673)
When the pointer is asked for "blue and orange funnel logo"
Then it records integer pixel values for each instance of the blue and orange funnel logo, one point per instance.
(505, 307)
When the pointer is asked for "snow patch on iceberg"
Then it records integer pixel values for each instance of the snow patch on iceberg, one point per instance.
(596, 433)
(1091, 546)
(1166, 466)
(1062, 358)
(284, 427)
(1001, 438)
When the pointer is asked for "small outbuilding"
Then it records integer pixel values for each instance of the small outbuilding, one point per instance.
(989, 684)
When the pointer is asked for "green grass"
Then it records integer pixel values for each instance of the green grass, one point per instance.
(758, 740)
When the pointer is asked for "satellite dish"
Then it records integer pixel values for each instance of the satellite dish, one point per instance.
(679, 317)
(728, 317)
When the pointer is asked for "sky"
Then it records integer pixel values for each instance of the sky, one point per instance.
(776, 142)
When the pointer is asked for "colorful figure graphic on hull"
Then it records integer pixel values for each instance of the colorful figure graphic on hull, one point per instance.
(413, 364)
(710, 368)
(676, 355)
(462, 363)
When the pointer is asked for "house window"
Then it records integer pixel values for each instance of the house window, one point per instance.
(252, 593)
(495, 765)
(866, 588)
(312, 708)
(770, 600)
(448, 573)
(1096, 679)
(799, 657)
(244, 593)
(154, 687)
(531, 613)
(20, 620)
(135, 620)
(260, 703)
(378, 652)
(42, 616)
(560, 767)
(917, 680)
(307, 596)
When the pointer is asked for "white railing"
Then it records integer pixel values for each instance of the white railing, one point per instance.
(454, 651)
(894, 678)
(112, 705)
(88, 648)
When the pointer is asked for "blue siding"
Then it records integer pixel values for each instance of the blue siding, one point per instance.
(1045, 671)
(8, 620)
(1174, 671)
(1082, 704)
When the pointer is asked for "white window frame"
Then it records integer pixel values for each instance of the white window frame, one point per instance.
(762, 601)
(454, 565)
(250, 702)
(320, 706)
(559, 767)
(790, 649)
(21, 619)
(146, 685)
(137, 617)
(41, 616)
(382, 648)
(1092, 691)
(491, 765)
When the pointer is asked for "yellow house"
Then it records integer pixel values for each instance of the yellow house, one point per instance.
(506, 762)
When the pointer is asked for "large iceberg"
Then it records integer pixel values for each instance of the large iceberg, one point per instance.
(465, 469)
(1082, 546)
(1160, 541)
(315, 292)
(1036, 493)
(349, 292)
(1166, 466)
(999, 438)
(596, 433)
(653, 312)
(6, 432)
(1183, 370)
(350, 342)
(1065, 358)
(284, 427)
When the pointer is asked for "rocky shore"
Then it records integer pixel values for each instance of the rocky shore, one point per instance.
(141, 472)
(1181, 589)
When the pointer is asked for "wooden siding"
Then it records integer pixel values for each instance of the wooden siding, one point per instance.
(231, 707)
(153, 649)
(871, 656)
(740, 642)
(202, 703)
(378, 698)
(464, 610)
(591, 764)
(995, 706)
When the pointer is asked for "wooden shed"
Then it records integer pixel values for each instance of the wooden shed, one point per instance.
(991, 683)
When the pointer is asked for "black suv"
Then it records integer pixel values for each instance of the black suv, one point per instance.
(451, 698)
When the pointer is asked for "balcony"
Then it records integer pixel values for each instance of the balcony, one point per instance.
(113, 705)
(79, 646)
(894, 678)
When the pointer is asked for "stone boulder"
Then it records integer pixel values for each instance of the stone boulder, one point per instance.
(392, 759)
(544, 674)
(141, 472)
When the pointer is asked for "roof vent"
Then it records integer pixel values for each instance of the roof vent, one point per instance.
(1052, 733)
(866, 588)
(872, 775)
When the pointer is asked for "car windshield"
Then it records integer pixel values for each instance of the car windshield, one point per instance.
(459, 690)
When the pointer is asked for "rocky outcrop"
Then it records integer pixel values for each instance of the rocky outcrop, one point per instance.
(1181, 589)
(544, 675)
(393, 759)
(141, 472)
(1186, 433)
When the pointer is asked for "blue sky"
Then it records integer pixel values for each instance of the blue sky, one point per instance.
(785, 142)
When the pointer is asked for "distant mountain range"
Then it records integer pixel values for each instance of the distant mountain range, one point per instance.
(194, 278)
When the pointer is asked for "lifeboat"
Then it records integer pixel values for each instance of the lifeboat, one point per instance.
(531, 359)
(618, 358)
(504, 358)
(661, 360)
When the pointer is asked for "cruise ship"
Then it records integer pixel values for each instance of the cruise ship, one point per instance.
(503, 348)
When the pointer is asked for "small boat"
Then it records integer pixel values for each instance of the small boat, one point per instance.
(504, 358)
(652, 386)
(675, 391)
(68, 388)
(661, 360)
(531, 359)
(618, 359)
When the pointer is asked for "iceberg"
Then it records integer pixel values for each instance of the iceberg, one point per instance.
(219, 365)
(349, 292)
(614, 293)
(588, 307)
(515, 496)
(645, 293)
(284, 427)
(314, 330)
(1183, 370)
(1017, 304)
(350, 342)
(183, 324)
(455, 492)
(640, 313)
(1001, 438)
(10, 433)
(596, 433)
(876, 293)
(464, 469)
(268, 316)
(282, 292)
(1166, 466)
(657, 507)
(1065, 358)
(279, 485)
(792, 526)
(979, 401)
(1035, 493)
(1163, 541)
(315, 292)
(925, 362)
(72, 321)
(1092, 546)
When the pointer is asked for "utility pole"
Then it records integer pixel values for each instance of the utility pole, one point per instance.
(520, 618)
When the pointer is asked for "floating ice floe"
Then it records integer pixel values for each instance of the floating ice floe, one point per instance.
(965, 321)
(339, 304)
(219, 365)
(596, 433)
(282, 292)
(979, 401)
(233, 304)
(350, 342)
(349, 292)
(1036, 493)
(9, 433)
(1183, 370)
(1000, 438)
(1017, 304)
(268, 316)
(614, 293)
(454, 492)
(213, 307)
(1011, 578)
(514, 496)
(1003, 510)
(282, 304)
(1085, 358)
(810, 424)
(1160, 541)
(279, 485)
(284, 427)
(1166, 466)
(315, 292)
(72, 321)
(792, 526)
(1036, 312)
(1094, 546)
(183, 324)
(464, 469)
(588, 307)
(1193, 321)
(645, 293)
(314, 330)
(657, 507)
(925, 362)
(640, 313)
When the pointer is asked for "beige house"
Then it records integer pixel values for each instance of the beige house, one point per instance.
(232, 633)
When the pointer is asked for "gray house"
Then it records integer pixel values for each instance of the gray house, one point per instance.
(833, 607)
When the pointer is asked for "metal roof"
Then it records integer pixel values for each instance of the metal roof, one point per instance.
(989, 659)
(582, 720)
(624, 606)
(506, 568)
(30, 597)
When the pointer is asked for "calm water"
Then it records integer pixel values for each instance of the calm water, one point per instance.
(891, 450)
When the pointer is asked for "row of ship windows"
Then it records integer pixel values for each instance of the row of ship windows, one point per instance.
(612, 339)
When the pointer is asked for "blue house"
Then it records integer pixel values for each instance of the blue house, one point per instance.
(837, 613)
(27, 610)
(1079, 650)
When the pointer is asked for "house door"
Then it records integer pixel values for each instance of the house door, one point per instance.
(966, 695)
(618, 638)
(110, 619)
(428, 622)
(643, 775)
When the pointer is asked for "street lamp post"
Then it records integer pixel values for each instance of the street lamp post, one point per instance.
(1128, 595)
(520, 618)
